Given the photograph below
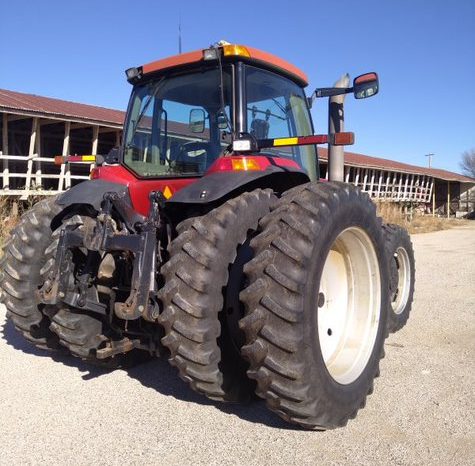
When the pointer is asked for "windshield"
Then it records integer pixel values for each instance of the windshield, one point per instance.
(176, 125)
(277, 108)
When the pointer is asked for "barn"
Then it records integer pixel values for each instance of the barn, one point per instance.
(35, 129)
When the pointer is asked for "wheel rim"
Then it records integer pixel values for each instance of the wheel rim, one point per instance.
(348, 304)
(401, 295)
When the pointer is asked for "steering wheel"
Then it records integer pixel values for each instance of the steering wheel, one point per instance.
(199, 160)
(193, 146)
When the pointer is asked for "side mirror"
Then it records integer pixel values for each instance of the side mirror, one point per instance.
(366, 85)
(222, 121)
(197, 120)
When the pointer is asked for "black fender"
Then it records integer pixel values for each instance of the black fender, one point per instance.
(219, 186)
(91, 192)
(89, 195)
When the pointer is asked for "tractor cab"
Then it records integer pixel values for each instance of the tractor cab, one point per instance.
(206, 125)
(186, 111)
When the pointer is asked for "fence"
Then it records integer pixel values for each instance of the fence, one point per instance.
(33, 175)
(25, 176)
(390, 186)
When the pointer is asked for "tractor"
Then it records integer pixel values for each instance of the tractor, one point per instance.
(209, 238)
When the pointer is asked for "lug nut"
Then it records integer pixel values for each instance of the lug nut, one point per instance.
(321, 299)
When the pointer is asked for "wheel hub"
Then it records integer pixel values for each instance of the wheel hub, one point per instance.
(348, 305)
(403, 276)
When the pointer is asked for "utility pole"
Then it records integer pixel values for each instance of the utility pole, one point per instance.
(430, 159)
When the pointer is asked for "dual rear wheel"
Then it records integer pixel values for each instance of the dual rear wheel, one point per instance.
(314, 301)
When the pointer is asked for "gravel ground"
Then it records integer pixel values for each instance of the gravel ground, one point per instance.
(422, 411)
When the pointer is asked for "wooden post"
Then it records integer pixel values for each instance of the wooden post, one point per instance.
(411, 187)
(6, 181)
(405, 187)
(432, 191)
(38, 181)
(365, 179)
(95, 144)
(371, 185)
(347, 174)
(95, 139)
(432, 185)
(380, 183)
(117, 138)
(415, 188)
(388, 181)
(448, 199)
(31, 152)
(422, 193)
(67, 129)
(399, 188)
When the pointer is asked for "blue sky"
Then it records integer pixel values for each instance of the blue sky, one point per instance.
(424, 52)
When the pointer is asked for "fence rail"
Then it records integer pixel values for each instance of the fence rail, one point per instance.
(34, 175)
(391, 186)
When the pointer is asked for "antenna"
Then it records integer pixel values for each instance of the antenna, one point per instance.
(179, 34)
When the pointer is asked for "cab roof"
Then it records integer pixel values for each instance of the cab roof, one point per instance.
(231, 52)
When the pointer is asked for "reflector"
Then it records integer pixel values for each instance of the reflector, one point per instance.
(233, 50)
(245, 164)
(167, 192)
(342, 139)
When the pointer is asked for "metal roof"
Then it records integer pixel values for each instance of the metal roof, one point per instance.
(35, 105)
(353, 159)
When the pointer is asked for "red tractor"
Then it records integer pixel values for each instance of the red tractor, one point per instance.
(209, 238)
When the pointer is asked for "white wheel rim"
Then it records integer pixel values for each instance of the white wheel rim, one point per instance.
(400, 297)
(349, 304)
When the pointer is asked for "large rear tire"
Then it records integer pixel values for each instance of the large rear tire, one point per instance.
(23, 268)
(402, 270)
(195, 316)
(84, 332)
(316, 304)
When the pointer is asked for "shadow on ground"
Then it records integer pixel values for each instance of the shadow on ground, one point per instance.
(156, 374)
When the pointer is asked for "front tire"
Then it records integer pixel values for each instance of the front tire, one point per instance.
(316, 305)
(23, 269)
(402, 270)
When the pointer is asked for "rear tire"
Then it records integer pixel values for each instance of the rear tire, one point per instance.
(402, 272)
(196, 276)
(316, 304)
(84, 332)
(23, 269)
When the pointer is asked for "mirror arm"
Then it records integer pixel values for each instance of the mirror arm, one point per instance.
(327, 92)
(331, 91)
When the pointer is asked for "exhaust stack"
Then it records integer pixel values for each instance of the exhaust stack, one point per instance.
(336, 119)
